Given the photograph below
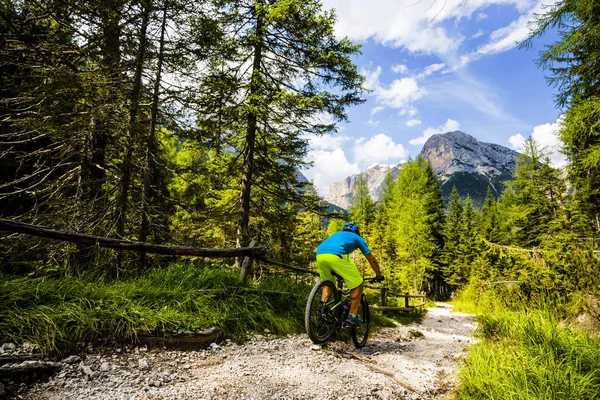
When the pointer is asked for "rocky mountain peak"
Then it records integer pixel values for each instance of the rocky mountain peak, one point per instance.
(342, 193)
(458, 152)
(457, 158)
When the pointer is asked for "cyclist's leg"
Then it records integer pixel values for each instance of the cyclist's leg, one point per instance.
(355, 298)
(324, 264)
(346, 268)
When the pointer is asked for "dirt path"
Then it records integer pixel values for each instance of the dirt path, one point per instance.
(406, 362)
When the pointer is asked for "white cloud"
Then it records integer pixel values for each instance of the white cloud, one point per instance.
(377, 109)
(325, 142)
(420, 27)
(450, 126)
(516, 142)
(371, 78)
(430, 70)
(378, 149)
(400, 93)
(329, 167)
(546, 137)
(507, 37)
(373, 122)
(413, 122)
(481, 16)
(400, 68)
(477, 35)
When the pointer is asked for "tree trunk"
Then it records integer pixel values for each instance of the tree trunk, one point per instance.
(151, 168)
(126, 165)
(248, 152)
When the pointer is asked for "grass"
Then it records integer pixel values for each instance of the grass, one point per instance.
(64, 315)
(528, 353)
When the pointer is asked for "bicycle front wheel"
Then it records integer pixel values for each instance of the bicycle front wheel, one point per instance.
(320, 317)
(360, 334)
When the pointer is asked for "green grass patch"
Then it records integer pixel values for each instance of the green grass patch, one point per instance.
(64, 315)
(527, 353)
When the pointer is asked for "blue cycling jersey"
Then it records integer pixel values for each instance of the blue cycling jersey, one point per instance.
(341, 243)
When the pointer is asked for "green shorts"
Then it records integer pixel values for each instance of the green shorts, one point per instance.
(343, 266)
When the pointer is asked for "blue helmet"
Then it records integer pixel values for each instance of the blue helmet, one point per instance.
(351, 227)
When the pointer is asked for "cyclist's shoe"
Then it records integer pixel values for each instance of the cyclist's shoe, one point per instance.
(353, 320)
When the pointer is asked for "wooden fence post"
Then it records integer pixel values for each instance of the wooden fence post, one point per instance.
(406, 300)
(384, 296)
(246, 265)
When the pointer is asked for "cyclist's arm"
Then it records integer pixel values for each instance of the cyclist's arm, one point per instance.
(374, 264)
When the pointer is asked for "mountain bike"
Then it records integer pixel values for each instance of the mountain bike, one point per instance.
(322, 319)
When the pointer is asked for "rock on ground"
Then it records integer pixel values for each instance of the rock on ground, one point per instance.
(395, 364)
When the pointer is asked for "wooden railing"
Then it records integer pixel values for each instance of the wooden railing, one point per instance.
(384, 300)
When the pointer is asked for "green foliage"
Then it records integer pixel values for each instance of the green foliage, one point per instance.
(530, 355)
(573, 65)
(64, 315)
(581, 135)
(410, 220)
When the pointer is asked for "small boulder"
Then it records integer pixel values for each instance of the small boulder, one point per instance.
(8, 348)
(143, 364)
(104, 367)
(86, 370)
(72, 360)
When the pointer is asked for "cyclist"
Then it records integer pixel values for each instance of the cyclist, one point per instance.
(333, 254)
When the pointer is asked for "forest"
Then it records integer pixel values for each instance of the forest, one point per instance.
(179, 122)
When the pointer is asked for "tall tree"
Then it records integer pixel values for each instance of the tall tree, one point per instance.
(284, 71)
(453, 238)
(573, 63)
(363, 207)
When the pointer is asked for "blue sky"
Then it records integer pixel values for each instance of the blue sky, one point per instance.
(435, 66)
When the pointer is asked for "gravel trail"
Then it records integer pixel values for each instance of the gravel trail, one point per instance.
(417, 361)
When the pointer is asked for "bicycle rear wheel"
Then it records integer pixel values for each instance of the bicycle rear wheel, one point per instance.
(361, 334)
(321, 319)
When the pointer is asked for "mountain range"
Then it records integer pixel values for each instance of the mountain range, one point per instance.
(458, 159)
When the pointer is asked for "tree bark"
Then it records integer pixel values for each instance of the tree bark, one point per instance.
(126, 166)
(245, 192)
(151, 169)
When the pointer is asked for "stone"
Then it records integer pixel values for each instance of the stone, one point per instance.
(104, 367)
(315, 347)
(86, 370)
(8, 348)
(143, 364)
(71, 359)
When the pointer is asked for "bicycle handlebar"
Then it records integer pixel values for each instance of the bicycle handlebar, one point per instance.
(375, 279)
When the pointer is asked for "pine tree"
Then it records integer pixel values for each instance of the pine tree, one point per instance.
(278, 73)
(362, 211)
(573, 65)
(488, 218)
(453, 238)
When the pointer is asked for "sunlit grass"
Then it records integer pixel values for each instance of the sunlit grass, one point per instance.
(64, 315)
(527, 352)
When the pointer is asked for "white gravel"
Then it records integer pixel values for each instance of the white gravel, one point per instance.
(407, 362)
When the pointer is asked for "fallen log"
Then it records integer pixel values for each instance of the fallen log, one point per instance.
(121, 244)
(29, 367)
(16, 359)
